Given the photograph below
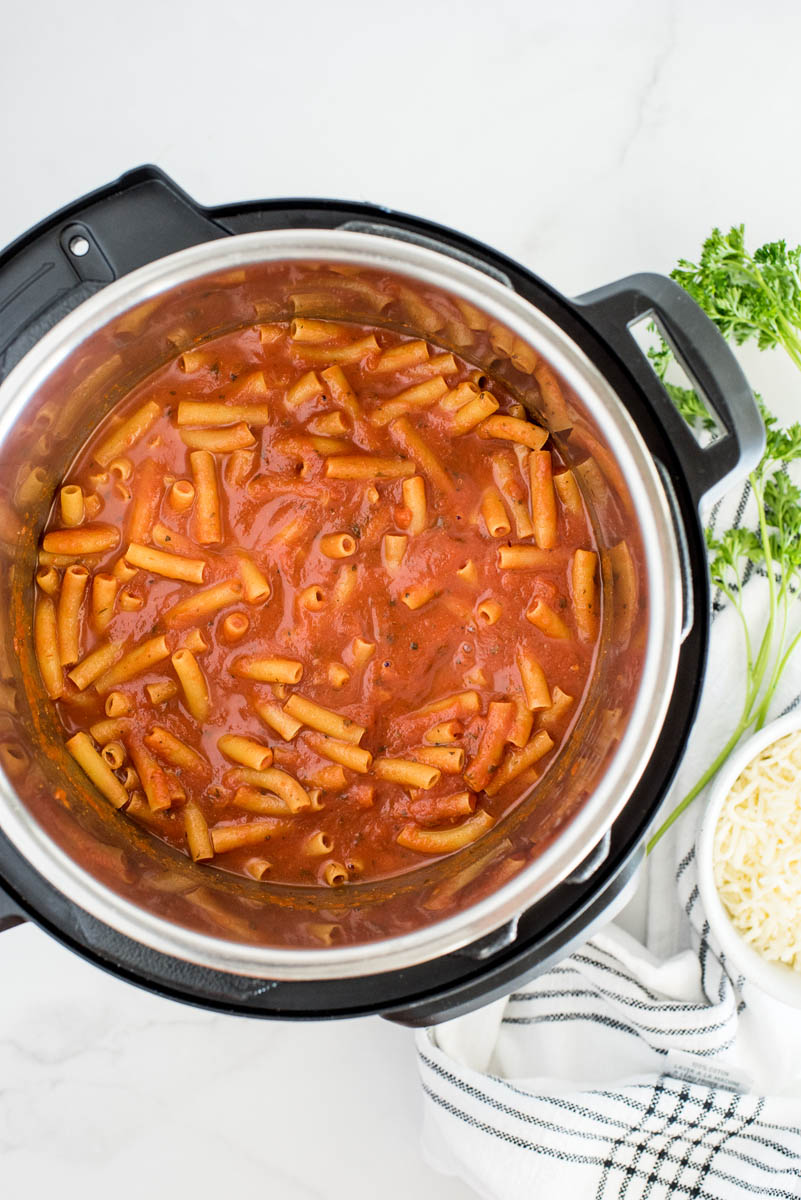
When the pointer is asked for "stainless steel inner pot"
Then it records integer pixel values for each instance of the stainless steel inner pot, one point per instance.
(48, 405)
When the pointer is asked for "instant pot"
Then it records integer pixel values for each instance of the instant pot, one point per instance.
(104, 291)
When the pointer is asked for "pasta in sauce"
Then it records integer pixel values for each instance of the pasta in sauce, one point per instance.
(316, 603)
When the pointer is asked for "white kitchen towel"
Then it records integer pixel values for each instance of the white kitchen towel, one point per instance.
(629, 1070)
(608, 1077)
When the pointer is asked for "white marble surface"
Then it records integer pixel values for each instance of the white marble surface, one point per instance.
(588, 140)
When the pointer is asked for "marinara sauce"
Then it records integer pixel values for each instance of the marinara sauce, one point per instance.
(405, 615)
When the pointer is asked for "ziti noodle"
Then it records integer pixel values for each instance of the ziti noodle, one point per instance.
(331, 620)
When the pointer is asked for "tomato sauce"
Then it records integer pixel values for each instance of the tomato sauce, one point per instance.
(278, 498)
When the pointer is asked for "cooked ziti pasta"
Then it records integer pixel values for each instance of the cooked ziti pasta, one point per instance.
(332, 610)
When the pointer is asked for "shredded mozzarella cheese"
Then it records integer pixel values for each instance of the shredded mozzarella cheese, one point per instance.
(757, 852)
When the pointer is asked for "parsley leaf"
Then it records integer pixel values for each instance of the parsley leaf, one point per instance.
(750, 297)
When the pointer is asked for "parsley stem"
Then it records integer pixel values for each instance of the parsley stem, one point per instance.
(786, 658)
(700, 784)
(778, 662)
(790, 340)
(738, 608)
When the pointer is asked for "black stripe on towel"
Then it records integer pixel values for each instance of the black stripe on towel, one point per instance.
(668, 1085)
(594, 1160)
(634, 1002)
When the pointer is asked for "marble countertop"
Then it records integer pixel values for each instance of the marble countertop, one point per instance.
(587, 140)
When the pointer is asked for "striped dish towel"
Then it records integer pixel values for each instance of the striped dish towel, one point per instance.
(608, 1077)
(629, 1070)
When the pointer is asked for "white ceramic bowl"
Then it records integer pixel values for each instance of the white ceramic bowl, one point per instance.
(778, 980)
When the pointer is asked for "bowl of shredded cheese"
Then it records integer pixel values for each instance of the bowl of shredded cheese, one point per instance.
(749, 860)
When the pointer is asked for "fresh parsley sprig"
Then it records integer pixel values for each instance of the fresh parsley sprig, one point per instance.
(750, 296)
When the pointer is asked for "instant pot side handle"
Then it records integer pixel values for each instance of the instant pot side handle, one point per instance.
(74, 253)
(710, 364)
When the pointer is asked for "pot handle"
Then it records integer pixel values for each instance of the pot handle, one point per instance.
(709, 363)
(71, 255)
